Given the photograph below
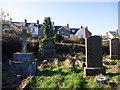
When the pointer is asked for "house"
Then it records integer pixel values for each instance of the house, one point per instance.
(17, 25)
(33, 30)
(112, 34)
(64, 31)
(73, 31)
(83, 32)
(56, 28)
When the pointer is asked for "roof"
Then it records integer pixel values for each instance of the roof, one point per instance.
(32, 26)
(73, 30)
(57, 27)
(114, 33)
(40, 25)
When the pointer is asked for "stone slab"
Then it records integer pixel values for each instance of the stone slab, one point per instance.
(23, 57)
(114, 49)
(20, 68)
(93, 71)
(94, 51)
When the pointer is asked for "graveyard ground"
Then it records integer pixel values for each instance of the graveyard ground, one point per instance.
(63, 76)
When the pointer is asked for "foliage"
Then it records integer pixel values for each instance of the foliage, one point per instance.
(105, 50)
(69, 48)
(10, 44)
(58, 37)
(47, 28)
(82, 40)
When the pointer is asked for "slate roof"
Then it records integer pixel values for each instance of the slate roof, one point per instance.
(57, 27)
(73, 30)
(40, 26)
(114, 33)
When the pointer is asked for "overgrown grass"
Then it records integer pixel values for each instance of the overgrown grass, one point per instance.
(61, 77)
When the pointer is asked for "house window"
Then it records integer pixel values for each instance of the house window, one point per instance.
(33, 30)
(81, 36)
(73, 31)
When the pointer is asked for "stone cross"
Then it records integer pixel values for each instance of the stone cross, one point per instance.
(24, 36)
(24, 42)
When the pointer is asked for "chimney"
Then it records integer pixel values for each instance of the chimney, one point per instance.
(106, 34)
(37, 21)
(53, 23)
(86, 28)
(25, 22)
(81, 27)
(67, 25)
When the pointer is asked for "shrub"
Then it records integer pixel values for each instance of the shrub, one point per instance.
(10, 44)
(105, 50)
(82, 40)
(58, 37)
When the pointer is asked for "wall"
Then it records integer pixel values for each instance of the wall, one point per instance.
(110, 35)
(87, 33)
(80, 33)
(34, 31)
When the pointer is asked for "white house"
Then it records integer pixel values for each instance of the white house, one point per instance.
(33, 30)
(83, 32)
(112, 34)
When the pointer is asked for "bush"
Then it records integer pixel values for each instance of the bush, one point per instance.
(69, 48)
(105, 50)
(58, 37)
(82, 40)
(10, 44)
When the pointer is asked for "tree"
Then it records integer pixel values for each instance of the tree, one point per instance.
(47, 28)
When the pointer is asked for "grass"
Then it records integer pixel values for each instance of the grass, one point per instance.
(61, 77)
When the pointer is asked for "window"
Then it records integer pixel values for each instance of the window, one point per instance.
(33, 30)
(82, 36)
(73, 31)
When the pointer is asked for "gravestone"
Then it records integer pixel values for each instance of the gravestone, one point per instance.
(23, 62)
(49, 50)
(114, 49)
(93, 56)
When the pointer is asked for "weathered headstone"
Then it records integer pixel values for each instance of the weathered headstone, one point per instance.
(93, 56)
(23, 62)
(114, 49)
(49, 50)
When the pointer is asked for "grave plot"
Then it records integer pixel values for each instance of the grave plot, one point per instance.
(63, 74)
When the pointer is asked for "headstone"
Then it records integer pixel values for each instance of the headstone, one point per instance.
(23, 62)
(49, 50)
(93, 56)
(115, 49)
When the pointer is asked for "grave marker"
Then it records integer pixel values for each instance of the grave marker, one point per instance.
(114, 49)
(23, 62)
(94, 56)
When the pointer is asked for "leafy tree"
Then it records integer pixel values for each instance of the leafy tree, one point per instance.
(47, 28)
(58, 37)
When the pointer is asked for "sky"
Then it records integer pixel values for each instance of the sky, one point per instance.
(100, 17)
